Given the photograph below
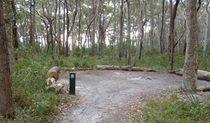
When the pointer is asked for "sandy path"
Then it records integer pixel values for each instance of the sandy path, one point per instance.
(104, 95)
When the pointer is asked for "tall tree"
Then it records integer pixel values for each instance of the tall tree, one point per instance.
(5, 84)
(191, 64)
(121, 29)
(32, 23)
(207, 28)
(152, 23)
(143, 20)
(162, 46)
(14, 26)
(173, 10)
(68, 23)
(129, 34)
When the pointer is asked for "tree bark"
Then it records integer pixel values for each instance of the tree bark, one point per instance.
(72, 25)
(14, 28)
(6, 104)
(129, 34)
(32, 24)
(121, 29)
(59, 27)
(206, 31)
(125, 68)
(162, 45)
(191, 64)
(172, 35)
(152, 24)
(201, 74)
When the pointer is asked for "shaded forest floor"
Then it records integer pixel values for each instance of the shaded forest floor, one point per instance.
(109, 96)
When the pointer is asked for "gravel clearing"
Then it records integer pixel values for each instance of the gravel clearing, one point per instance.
(105, 96)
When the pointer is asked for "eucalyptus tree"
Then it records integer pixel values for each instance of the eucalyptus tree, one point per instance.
(69, 30)
(128, 33)
(207, 29)
(6, 103)
(152, 24)
(191, 63)
(121, 29)
(173, 11)
(162, 44)
(32, 23)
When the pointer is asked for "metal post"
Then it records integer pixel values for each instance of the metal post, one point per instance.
(72, 77)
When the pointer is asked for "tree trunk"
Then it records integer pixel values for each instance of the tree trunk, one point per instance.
(101, 27)
(172, 35)
(32, 23)
(59, 27)
(5, 83)
(121, 29)
(72, 25)
(64, 28)
(152, 24)
(162, 46)
(93, 49)
(206, 31)
(14, 28)
(191, 64)
(129, 35)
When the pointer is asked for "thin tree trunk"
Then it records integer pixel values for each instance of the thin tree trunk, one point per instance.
(59, 27)
(206, 31)
(14, 28)
(32, 23)
(67, 28)
(162, 46)
(72, 26)
(172, 35)
(152, 24)
(64, 28)
(94, 27)
(129, 35)
(121, 29)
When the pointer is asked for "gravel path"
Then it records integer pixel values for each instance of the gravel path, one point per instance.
(104, 95)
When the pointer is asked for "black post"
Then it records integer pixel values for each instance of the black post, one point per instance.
(72, 77)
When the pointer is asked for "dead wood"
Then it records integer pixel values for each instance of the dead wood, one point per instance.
(202, 75)
(53, 73)
(203, 88)
(76, 69)
(125, 68)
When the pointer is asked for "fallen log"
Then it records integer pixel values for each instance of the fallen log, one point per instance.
(125, 68)
(52, 83)
(53, 72)
(203, 88)
(76, 69)
(108, 67)
(202, 75)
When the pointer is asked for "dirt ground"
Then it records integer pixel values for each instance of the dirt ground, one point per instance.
(104, 96)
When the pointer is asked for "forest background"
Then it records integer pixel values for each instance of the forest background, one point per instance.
(85, 33)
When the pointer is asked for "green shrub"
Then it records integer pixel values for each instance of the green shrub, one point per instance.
(32, 103)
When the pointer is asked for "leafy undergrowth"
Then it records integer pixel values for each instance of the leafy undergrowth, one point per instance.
(32, 103)
(173, 110)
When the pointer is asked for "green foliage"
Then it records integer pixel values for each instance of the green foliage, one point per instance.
(32, 103)
(173, 110)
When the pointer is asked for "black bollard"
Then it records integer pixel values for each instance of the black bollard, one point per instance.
(72, 77)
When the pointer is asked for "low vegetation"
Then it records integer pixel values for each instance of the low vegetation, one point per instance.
(173, 110)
